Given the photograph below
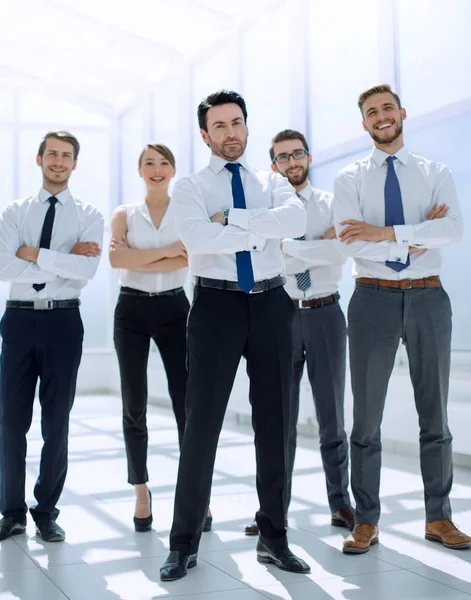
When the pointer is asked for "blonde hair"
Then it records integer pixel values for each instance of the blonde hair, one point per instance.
(161, 149)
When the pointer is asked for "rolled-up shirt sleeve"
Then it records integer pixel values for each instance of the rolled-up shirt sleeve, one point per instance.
(199, 234)
(346, 207)
(74, 266)
(13, 268)
(286, 218)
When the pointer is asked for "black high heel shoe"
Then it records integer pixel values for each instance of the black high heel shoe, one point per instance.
(144, 524)
(208, 522)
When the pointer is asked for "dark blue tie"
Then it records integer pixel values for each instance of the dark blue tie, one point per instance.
(393, 209)
(46, 233)
(243, 259)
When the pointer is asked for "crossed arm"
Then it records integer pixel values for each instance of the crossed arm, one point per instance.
(155, 260)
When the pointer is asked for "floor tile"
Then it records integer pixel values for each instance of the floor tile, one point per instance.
(455, 575)
(28, 584)
(12, 556)
(397, 585)
(136, 579)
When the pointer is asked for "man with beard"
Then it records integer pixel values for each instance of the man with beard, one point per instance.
(394, 210)
(49, 249)
(231, 220)
(313, 272)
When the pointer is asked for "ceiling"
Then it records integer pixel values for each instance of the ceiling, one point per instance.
(112, 51)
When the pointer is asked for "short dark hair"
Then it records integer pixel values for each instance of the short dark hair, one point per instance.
(63, 136)
(383, 88)
(161, 149)
(216, 99)
(285, 135)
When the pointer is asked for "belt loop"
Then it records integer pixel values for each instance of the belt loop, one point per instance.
(224, 286)
(322, 302)
(426, 282)
(377, 284)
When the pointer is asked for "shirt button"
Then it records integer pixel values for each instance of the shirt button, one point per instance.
(398, 259)
(254, 247)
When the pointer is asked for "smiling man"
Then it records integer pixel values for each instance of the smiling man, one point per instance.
(231, 220)
(49, 250)
(394, 210)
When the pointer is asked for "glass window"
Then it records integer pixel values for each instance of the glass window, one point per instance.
(434, 39)
(6, 105)
(37, 107)
(344, 60)
(267, 85)
(219, 71)
(7, 171)
(448, 143)
(134, 134)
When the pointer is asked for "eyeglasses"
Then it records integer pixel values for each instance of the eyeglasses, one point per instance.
(297, 155)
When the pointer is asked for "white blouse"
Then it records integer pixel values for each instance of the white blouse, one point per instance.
(143, 235)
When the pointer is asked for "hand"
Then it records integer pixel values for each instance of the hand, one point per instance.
(218, 218)
(176, 249)
(360, 231)
(438, 212)
(330, 234)
(28, 253)
(90, 249)
(119, 243)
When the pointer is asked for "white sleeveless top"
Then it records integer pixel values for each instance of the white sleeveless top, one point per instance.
(142, 235)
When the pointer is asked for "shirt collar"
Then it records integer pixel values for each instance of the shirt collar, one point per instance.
(217, 163)
(306, 193)
(62, 197)
(380, 157)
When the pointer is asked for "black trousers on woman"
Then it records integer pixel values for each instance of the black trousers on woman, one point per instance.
(223, 326)
(138, 319)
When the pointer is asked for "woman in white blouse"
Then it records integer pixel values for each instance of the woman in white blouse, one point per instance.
(151, 305)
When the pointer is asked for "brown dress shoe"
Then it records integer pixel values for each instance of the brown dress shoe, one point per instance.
(252, 528)
(344, 517)
(447, 533)
(362, 537)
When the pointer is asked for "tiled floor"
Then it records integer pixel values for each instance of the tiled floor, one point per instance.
(104, 559)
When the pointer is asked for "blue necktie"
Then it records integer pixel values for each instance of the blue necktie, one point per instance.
(243, 259)
(46, 233)
(303, 279)
(393, 209)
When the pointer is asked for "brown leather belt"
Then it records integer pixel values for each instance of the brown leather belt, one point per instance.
(316, 302)
(403, 284)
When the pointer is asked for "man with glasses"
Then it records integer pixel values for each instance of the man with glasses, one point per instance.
(313, 271)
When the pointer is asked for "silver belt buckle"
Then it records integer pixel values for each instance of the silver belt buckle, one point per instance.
(43, 304)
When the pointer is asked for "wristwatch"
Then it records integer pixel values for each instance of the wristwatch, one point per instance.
(225, 214)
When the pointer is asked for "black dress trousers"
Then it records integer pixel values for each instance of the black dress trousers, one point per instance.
(44, 344)
(137, 321)
(223, 326)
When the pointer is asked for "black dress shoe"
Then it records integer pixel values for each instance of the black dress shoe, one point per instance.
(50, 531)
(208, 523)
(282, 557)
(144, 524)
(251, 528)
(176, 565)
(10, 526)
(344, 517)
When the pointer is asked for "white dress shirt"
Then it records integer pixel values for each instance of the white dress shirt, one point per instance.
(323, 258)
(273, 212)
(63, 273)
(359, 194)
(143, 235)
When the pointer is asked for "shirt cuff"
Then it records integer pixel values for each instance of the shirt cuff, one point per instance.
(46, 259)
(398, 253)
(404, 234)
(256, 242)
(239, 217)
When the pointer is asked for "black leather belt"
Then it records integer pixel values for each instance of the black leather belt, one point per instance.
(43, 304)
(233, 286)
(132, 292)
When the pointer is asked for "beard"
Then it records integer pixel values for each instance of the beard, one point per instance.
(299, 178)
(388, 136)
(229, 150)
